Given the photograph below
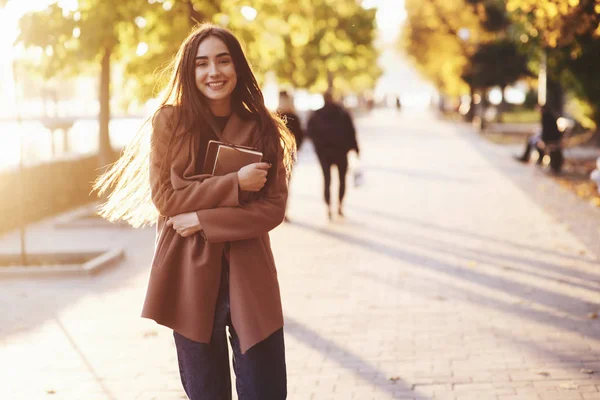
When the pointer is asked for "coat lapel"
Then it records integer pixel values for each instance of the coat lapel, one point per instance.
(238, 131)
(183, 169)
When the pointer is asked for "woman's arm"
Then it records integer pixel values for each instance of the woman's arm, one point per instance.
(208, 193)
(250, 220)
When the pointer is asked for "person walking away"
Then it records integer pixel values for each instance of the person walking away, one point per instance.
(287, 112)
(213, 270)
(333, 135)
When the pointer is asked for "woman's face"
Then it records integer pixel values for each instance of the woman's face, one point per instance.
(215, 72)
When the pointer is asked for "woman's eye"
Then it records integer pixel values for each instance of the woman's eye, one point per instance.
(225, 61)
(201, 65)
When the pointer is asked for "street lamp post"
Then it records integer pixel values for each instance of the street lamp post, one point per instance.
(464, 34)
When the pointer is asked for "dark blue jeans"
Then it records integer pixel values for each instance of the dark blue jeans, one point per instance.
(260, 374)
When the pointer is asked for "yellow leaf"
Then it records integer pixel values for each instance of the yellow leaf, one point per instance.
(587, 371)
(568, 385)
(593, 315)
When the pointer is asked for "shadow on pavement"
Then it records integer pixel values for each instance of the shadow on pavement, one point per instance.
(413, 173)
(346, 359)
(557, 301)
(454, 231)
(501, 260)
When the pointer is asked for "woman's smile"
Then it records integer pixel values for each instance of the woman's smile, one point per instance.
(216, 85)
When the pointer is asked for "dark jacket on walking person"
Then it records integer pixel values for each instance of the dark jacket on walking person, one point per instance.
(333, 135)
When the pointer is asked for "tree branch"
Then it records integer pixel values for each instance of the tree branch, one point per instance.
(195, 17)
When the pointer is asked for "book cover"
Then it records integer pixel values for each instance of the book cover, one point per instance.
(231, 159)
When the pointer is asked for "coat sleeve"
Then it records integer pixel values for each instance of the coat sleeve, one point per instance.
(249, 220)
(207, 192)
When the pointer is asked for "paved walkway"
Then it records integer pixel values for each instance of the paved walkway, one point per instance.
(457, 274)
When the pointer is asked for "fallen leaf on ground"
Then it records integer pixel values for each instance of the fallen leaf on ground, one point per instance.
(593, 315)
(568, 385)
(471, 264)
(587, 371)
(543, 373)
(150, 334)
(394, 378)
(51, 391)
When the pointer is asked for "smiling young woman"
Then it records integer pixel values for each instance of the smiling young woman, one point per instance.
(213, 268)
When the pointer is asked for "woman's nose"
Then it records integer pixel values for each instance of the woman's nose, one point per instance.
(213, 70)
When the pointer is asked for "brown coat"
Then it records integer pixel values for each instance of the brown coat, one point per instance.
(184, 280)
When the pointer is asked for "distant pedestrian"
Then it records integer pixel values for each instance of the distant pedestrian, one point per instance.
(333, 134)
(398, 103)
(287, 111)
(213, 275)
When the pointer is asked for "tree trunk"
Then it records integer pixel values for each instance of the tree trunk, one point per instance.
(555, 101)
(104, 148)
(195, 17)
(471, 112)
(483, 106)
(555, 95)
(502, 105)
(597, 132)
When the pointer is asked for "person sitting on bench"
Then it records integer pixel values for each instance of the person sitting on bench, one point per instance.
(549, 136)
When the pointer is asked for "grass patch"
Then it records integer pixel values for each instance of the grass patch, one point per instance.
(521, 116)
(505, 138)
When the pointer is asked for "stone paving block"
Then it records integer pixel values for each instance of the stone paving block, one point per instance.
(561, 396)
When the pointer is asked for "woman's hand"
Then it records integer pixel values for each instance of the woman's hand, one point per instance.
(253, 177)
(185, 224)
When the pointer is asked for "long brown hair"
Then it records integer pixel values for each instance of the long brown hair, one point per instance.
(127, 180)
